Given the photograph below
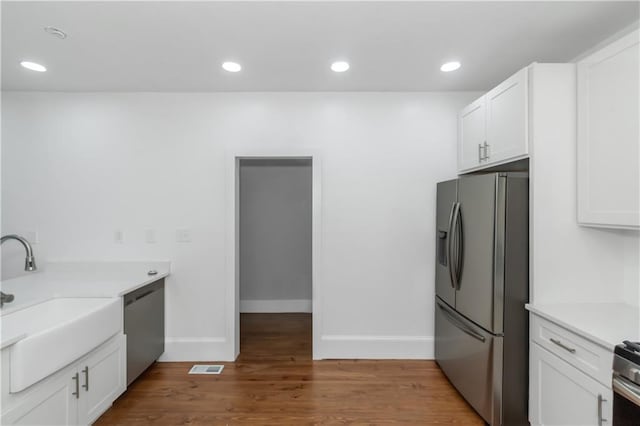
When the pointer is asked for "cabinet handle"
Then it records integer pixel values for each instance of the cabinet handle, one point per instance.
(563, 346)
(86, 378)
(76, 377)
(480, 152)
(486, 150)
(601, 400)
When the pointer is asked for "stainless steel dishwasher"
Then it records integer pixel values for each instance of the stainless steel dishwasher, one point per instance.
(144, 327)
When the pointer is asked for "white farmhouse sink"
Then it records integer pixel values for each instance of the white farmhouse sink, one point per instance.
(58, 332)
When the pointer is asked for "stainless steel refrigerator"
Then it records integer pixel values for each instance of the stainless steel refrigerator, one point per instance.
(482, 285)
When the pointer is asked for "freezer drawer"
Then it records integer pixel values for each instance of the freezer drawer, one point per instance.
(472, 360)
(144, 327)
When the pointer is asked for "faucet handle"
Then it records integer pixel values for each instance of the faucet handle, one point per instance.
(5, 298)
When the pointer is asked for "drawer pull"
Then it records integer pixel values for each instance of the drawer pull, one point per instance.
(562, 345)
(462, 327)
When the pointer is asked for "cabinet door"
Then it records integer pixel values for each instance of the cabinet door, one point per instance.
(609, 136)
(471, 134)
(507, 118)
(53, 404)
(102, 379)
(560, 394)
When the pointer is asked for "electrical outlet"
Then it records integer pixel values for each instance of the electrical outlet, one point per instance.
(118, 236)
(183, 236)
(150, 236)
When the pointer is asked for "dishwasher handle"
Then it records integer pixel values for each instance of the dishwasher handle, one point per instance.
(145, 294)
(142, 292)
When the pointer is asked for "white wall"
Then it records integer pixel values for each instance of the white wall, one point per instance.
(631, 262)
(76, 167)
(571, 263)
(275, 235)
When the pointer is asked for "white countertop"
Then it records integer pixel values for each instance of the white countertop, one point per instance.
(606, 324)
(77, 279)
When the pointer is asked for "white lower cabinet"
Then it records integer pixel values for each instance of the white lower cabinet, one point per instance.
(102, 378)
(76, 395)
(560, 394)
(53, 404)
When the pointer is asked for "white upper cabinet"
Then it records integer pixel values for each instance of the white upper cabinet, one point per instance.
(609, 137)
(472, 134)
(507, 108)
(493, 129)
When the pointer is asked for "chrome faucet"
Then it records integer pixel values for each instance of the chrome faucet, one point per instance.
(29, 262)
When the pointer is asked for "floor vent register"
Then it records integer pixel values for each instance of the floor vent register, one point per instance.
(206, 369)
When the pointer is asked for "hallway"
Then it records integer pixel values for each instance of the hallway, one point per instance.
(275, 382)
(281, 337)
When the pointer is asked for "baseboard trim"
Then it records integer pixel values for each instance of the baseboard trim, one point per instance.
(275, 306)
(376, 347)
(196, 349)
(331, 347)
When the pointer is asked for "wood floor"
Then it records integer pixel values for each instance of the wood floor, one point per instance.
(275, 382)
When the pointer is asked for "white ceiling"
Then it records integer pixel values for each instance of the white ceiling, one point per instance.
(288, 46)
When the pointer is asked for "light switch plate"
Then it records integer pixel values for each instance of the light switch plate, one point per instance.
(150, 236)
(183, 236)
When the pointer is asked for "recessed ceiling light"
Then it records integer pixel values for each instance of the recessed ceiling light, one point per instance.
(339, 66)
(57, 32)
(231, 66)
(33, 66)
(450, 66)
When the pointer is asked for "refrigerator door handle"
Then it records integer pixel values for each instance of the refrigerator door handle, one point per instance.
(449, 246)
(457, 224)
(462, 327)
(454, 236)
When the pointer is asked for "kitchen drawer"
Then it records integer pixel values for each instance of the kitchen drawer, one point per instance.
(583, 354)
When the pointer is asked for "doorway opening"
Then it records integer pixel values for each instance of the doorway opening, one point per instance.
(275, 256)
